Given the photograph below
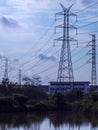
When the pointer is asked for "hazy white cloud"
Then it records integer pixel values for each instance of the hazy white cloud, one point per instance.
(9, 23)
(47, 58)
(16, 60)
(2, 55)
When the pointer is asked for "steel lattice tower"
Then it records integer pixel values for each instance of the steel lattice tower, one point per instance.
(65, 70)
(6, 69)
(93, 73)
(20, 77)
(92, 60)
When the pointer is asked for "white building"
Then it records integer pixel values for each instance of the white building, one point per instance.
(66, 87)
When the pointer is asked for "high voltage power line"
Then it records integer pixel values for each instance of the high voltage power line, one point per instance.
(82, 26)
(36, 64)
(40, 62)
(79, 67)
(82, 20)
(87, 32)
(38, 40)
(41, 48)
(82, 57)
(50, 67)
(91, 5)
(47, 69)
(28, 61)
(57, 51)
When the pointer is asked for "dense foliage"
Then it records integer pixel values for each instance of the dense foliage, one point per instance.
(33, 98)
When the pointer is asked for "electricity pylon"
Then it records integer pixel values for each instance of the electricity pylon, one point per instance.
(20, 77)
(65, 70)
(6, 69)
(92, 60)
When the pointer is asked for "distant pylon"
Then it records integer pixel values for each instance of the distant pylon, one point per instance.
(65, 70)
(6, 69)
(93, 60)
(94, 75)
(20, 77)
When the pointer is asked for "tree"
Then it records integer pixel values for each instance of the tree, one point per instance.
(35, 80)
(27, 80)
(75, 95)
(5, 82)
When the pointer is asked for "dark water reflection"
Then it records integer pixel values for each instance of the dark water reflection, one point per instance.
(50, 121)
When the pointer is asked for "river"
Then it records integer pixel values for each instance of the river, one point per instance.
(48, 121)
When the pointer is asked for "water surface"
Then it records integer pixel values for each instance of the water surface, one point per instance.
(50, 121)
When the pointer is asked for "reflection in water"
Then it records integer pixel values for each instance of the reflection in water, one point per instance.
(50, 121)
(23, 121)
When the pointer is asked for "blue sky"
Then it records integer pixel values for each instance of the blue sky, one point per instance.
(27, 33)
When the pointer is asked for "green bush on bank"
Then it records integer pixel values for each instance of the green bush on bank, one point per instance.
(94, 97)
(6, 103)
(95, 108)
(20, 99)
(75, 102)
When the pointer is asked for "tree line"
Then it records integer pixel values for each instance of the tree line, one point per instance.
(30, 97)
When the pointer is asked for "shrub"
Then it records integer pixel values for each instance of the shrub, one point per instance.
(95, 97)
(19, 98)
(6, 103)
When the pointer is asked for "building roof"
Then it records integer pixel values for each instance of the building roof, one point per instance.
(68, 83)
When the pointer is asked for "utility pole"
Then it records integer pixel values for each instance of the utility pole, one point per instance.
(20, 77)
(6, 69)
(65, 70)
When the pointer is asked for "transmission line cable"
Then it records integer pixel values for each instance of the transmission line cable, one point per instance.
(87, 18)
(40, 63)
(79, 67)
(47, 69)
(91, 5)
(87, 32)
(87, 24)
(35, 65)
(82, 57)
(35, 55)
(37, 41)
